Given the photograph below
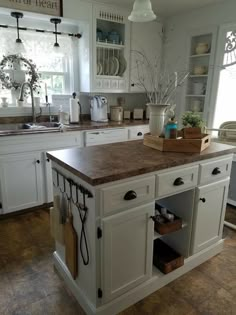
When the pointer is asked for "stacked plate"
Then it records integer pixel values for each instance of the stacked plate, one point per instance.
(112, 67)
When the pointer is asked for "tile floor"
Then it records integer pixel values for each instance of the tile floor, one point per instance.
(29, 285)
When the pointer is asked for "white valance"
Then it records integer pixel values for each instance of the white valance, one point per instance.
(34, 44)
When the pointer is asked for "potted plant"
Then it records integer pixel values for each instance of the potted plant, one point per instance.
(193, 125)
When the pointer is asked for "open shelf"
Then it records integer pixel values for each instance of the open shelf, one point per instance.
(192, 95)
(157, 235)
(109, 45)
(198, 76)
(200, 55)
(156, 272)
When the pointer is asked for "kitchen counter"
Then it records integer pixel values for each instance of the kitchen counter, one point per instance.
(84, 125)
(106, 163)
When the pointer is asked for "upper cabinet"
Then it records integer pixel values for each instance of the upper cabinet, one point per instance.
(105, 51)
(146, 38)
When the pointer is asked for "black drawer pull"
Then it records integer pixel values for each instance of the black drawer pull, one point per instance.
(38, 161)
(179, 181)
(216, 171)
(139, 134)
(203, 200)
(48, 160)
(130, 195)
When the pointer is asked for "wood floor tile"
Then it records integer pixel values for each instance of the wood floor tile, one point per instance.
(195, 287)
(220, 304)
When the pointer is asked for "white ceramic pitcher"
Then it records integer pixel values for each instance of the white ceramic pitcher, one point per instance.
(158, 114)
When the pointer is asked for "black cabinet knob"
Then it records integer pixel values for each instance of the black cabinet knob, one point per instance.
(216, 171)
(48, 160)
(132, 84)
(38, 161)
(139, 134)
(203, 200)
(130, 195)
(178, 182)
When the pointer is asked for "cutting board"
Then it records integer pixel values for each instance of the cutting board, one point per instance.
(57, 228)
(71, 245)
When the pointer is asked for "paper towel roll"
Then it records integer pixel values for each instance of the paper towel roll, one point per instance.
(74, 110)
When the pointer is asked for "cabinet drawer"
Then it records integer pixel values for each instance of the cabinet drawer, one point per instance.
(127, 195)
(138, 132)
(176, 181)
(212, 171)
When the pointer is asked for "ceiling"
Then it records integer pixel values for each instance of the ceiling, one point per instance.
(167, 8)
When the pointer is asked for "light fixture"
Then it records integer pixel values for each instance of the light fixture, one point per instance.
(142, 11)
(17, 16)
(56, 21)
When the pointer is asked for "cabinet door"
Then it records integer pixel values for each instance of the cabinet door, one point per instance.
(127, 250)
(21, 181)
(209, 214)
(47, 174)
(147, 39)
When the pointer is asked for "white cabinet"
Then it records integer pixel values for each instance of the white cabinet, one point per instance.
(47, 179)
(21, 181)
(126, 250)
(138, 132)
(209, 214)
(105, 51)
(147, 39)
(105, 136)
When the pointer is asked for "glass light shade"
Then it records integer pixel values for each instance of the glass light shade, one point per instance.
(142, 11)
(19, 48)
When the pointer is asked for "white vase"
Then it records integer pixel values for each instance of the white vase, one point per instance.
(157, 118)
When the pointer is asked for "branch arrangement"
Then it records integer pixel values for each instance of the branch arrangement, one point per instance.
(162, 84)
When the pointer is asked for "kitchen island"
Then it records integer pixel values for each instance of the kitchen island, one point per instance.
(116, 188)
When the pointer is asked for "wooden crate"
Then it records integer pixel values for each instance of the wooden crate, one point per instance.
(168, 226)
(177, 145)
(165, 258)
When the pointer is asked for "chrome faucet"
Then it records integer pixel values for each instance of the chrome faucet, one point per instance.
(32, 98)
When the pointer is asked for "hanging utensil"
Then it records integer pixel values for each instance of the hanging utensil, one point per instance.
(83, 211)
(71, 241)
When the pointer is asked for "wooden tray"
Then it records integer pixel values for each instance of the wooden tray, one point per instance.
(168, 226)
(177, 145)
(165, 258)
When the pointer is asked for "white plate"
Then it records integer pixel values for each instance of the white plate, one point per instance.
(123, 65)
(116, 66)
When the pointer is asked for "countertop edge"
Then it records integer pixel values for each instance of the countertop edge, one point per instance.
(133, 173)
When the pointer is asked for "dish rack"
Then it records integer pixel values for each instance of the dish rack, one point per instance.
(227, 135)
(110, 60)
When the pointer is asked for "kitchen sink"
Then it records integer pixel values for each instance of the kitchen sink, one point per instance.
(29, 126)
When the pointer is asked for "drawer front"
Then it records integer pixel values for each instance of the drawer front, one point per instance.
(212, 171)
(138, 132)
(176, 181)
(127, 195)
(105, 136)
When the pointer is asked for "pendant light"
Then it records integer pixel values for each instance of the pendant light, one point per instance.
(56, 21)
(142, 11)
(19, 47)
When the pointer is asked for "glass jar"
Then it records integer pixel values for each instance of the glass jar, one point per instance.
(171, 130)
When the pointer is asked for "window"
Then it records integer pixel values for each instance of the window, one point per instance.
(53, 65)
(225, 108)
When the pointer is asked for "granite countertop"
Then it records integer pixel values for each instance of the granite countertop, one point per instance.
(106, 163)
(84, 125)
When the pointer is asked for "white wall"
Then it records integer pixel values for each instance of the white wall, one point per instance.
(179, 27)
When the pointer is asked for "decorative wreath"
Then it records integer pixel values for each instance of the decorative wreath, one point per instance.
(30, 67)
